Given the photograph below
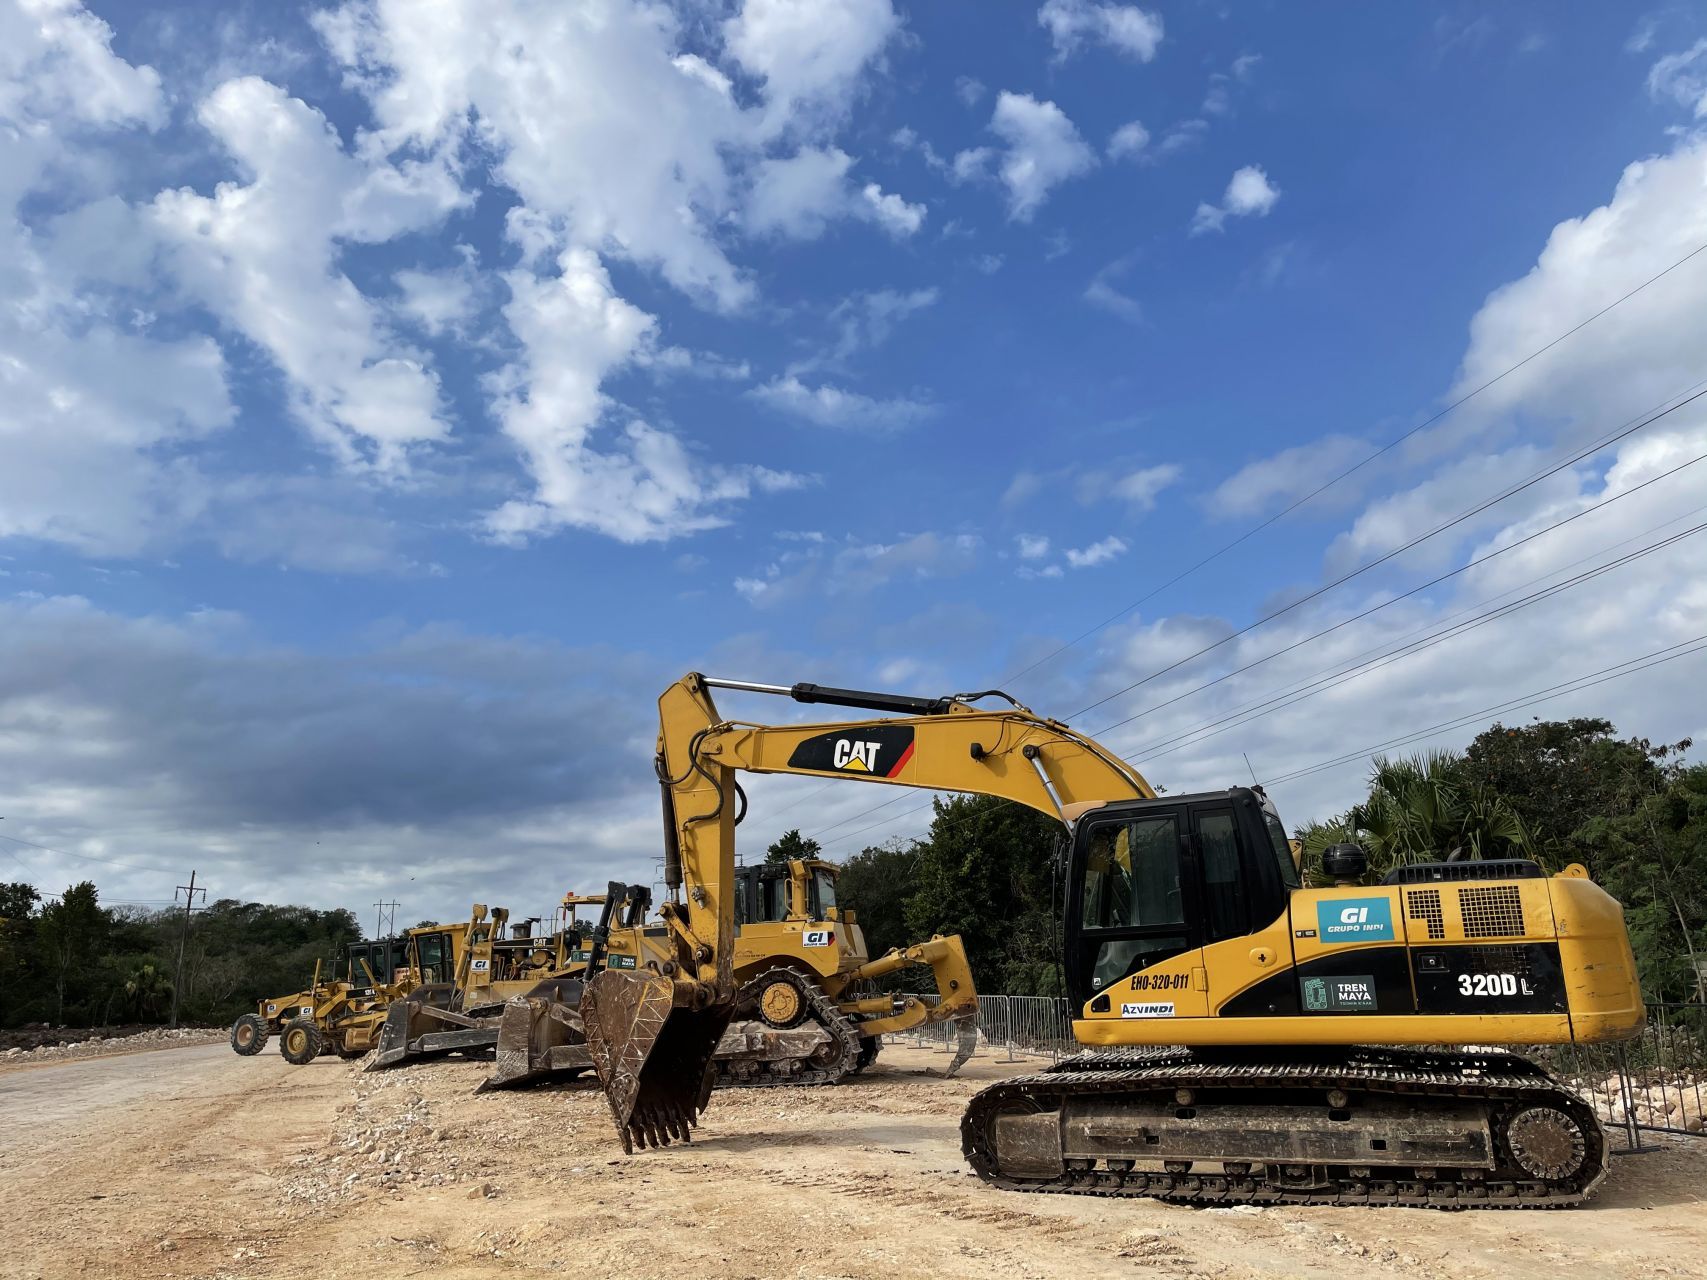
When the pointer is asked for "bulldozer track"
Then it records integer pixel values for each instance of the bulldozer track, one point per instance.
(843, 1030)
(1504, 1084)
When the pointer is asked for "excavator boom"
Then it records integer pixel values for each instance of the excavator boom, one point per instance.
(653, 1032)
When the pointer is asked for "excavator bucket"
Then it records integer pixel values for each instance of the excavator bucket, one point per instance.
(652, 1049)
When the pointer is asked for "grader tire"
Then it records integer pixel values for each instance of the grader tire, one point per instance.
(248, 1035)
(300, 1042)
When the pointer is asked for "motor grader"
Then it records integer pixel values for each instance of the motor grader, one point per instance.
(806, 1011)
(373, 974)
(1259, 1040)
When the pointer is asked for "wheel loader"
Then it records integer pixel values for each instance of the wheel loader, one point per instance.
(1253, 1040)
(806, 1014)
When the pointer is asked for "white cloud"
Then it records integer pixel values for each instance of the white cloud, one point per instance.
(1043, 149)
(97, 412)
(441, 301)
(968, 90)
(798, 196)
(1104, 291)
(809, 53)
(1249, 194)
(636, 484)
(891, 212)
(1636, 355)
(1126, 142)
(1032, 546)
(1142, 487)
(1097, 553)
(826, 405)
(1127, 29)
(262, 257)
(1682, 77)
(620, 143)
(851, 566)
(1278, 479)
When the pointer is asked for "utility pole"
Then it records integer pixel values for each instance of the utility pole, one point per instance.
(189, 891)
(385, 923)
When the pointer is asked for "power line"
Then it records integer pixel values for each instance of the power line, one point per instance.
(1409, 649)
(1323, 488)
(1370, 659)
(1397, 551)
(1575, 685)
(1432, 582)
(87, 857)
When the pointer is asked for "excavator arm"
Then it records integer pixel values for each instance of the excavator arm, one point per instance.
(651, 1033)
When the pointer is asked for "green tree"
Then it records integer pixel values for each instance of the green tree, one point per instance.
(791, 845)
(1653, 859)
(73, 933)
(988, 871)
(147, 993)
(876, 883)
(1559, 775)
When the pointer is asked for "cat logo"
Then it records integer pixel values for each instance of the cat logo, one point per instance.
(861, 757)
(880, 751)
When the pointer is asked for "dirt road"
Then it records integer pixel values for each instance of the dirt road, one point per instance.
(197, 1163)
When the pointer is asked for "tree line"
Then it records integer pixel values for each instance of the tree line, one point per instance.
(70, 961)
(1558, 792)
(1633, 812)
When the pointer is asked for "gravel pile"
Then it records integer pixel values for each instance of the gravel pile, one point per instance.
(89, 1044)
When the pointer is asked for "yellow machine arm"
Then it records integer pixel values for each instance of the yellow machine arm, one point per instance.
(651, 1035)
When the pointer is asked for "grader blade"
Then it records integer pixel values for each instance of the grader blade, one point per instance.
(652, 1049)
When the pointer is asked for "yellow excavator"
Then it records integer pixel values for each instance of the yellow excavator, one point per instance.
(1233, 1012)
(806, 1013)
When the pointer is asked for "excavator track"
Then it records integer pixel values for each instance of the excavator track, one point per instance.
(768, 1072)
(1486, 1130)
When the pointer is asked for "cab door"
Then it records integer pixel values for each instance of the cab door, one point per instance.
(1133, 937)
(1247, 933)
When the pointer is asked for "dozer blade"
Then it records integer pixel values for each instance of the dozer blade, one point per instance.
(538, 1037)
(652, 1050)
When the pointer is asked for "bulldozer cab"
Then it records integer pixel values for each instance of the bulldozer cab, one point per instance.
(1150, 883)
(799, 890)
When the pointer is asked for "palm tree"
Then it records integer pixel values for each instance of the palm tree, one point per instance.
(1420, 809)
(146, 991)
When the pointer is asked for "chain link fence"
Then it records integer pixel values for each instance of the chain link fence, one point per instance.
(1656, 1083)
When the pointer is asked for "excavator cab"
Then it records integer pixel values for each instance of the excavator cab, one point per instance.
(1150, 883)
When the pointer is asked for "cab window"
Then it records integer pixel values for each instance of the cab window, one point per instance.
(1133, 908)
(823, 894)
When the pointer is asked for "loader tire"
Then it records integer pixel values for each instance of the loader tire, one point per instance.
(300, 1042)
(248, 1035)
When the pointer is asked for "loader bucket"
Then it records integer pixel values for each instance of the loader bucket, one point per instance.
(652, 1049)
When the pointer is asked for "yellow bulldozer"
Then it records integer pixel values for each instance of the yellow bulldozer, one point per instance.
(468, 972)
(1259, 1040)
(806, 1013)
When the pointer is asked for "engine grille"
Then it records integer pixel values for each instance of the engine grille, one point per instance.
(1424, 905)
(1492, 912)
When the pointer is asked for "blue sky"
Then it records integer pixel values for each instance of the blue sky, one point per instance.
(389, 409)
